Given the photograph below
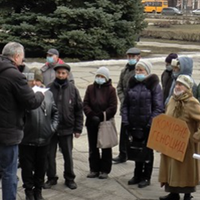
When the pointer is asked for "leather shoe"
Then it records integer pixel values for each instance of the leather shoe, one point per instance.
(133, 181)
(93, 175)
(50, 183)
(71, 184)
(144, 183)
(171, 196)
(103, 175)
(118, 159)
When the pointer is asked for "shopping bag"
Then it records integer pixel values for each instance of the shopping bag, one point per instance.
(107, 134)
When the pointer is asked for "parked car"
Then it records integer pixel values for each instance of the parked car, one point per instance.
(196, 12)
(171, 11)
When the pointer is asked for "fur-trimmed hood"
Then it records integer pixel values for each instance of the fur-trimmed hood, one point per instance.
(150, 81)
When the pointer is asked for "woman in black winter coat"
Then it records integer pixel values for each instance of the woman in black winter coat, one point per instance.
(99, 97)
(40, 125)
(143, 101)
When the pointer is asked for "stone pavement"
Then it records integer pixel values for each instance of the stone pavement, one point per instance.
(115, 187)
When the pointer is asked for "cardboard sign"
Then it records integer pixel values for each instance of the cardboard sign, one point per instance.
(169, 136)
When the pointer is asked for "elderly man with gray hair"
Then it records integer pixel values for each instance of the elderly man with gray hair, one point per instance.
(15, 97)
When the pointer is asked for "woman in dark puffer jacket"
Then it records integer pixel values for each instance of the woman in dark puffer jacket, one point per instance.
(143, 101)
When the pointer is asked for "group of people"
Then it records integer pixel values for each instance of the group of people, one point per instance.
(38, 122)
(142, 99)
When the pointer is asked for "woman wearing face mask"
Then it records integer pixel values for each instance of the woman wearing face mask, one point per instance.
(166, 76)
(181, 66)
(182, 177)
(143, 101)
(99, 97)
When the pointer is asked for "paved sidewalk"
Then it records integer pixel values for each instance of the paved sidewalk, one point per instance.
(115, 187)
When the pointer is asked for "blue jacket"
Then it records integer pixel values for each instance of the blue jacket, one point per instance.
(143, 101)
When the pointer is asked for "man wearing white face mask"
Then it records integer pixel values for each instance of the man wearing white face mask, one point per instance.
(48, 72)
(133, 56)
(166, 77)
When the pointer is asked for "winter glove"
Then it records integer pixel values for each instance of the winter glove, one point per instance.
(95, 121)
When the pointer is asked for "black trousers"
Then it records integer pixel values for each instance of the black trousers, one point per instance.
(143, 170)
(123, 143)
(98, 162)
(33, 165)
(66, 145)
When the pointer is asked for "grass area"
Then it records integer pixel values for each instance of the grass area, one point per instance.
(184, 28)
(169, 41)
(163, 49)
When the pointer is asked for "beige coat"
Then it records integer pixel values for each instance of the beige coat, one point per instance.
(186, 173)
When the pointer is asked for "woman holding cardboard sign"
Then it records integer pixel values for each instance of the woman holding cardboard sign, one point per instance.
(143, 101)
(182, 177)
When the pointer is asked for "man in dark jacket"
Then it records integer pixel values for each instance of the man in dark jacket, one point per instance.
(70, 110)
(15, 97)
(133, 56)
(40, 125)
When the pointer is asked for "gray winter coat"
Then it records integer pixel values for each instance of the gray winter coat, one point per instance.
(126, 74)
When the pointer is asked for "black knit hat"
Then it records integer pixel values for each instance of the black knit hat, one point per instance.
(171, 56)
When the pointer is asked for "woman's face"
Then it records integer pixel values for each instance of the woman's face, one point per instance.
(179, 88)
(141, 70)
(175, 69)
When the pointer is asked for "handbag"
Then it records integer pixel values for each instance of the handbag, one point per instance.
(137, 149)
(137, 133)
(107, 134)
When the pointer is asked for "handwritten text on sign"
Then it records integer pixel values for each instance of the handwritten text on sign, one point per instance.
(169, 136)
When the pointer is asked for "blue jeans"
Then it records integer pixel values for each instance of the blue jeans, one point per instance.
(8, 164)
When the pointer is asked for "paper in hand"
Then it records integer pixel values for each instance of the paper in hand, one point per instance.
(39, 89)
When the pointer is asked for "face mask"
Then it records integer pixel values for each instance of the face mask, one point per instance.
(175, 74)
(132, 61)
(140, 77)
(169, 68)
(177, 93)
(50, 59)
(100, 80)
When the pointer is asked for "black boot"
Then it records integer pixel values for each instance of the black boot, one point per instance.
(171, 196)
(188, 196)
(29, 194)
(38, 194)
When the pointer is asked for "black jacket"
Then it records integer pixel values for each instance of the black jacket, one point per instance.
(70, 107)
(15, 97)
(166, 80)
(41, 123)
(99, 99)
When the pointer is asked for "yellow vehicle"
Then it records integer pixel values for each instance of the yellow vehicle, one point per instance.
(154, 6)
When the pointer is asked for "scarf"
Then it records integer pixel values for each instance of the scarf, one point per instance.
(179, 102)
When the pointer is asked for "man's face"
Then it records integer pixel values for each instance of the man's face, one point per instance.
(132, 56)
(18, 59)
(52, 58)
(61, 73)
